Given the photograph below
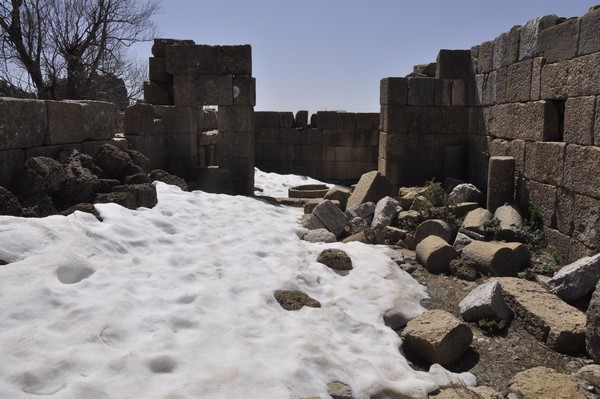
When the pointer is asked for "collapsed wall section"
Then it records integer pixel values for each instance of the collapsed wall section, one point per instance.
(336, 146)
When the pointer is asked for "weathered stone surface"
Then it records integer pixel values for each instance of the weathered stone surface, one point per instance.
(393, 91)
(197, 89)
(157, 70)
(139, 119)
(421, 91)
(590, 375)
(506, 48)
(114, 161)
(579, 120)
(510, 220)
(357, 225)
(231, 60)
(384, 213)
(43, 174)
(520, 250)
(335, 258)
(544, 162)
(435, 254)
(371, 187)
(295, 300)
(338, 194)
(547, 317)
(577, 279)
(532, 120)
(501, 178)
(460, 241)
(467, 192)
(367, 237)
(331, 216)
(339, 390)
(453, 64)
(144, 194)
(580, 158)
(461, 392)
(9, 204)
(518, 81)
(464, 270)
(475, 220)
(592, 329)
(124, 199)
(65, 122)
(589, 33)
(25, 131)
(435, 227)
(83, 207)
(559, 42)
(312, 223)
(320, 235)
(485, 302)
(158, 93)
(160, 45)
(492, 258)
(166, 177)
(437, 336)
(543, 383)
(485, 57)
(543, 197)
(38, 205)
(530, 32)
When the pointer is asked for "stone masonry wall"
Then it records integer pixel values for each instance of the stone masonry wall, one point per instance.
(336, 146)
(533, 94)
(31, 128)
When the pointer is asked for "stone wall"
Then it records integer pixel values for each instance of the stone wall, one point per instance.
(30, 128)
(172, 126)
(533, 94)
(336, 146)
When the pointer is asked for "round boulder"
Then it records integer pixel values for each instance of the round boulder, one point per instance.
(435, 254)
(335, 259)
(493, 258)
(435, 227)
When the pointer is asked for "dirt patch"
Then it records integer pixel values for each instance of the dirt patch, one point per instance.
(493, 359)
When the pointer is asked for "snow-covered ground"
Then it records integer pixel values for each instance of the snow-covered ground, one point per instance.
(177, 302)
(275, 185)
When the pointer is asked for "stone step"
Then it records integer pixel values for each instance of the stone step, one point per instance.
(546, 316)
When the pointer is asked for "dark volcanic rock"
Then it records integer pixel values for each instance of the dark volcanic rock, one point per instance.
(9, 204)
(113, 161)
(166, 177)
(38, 205)
(83, 207)
(144, 194)
(43, 174)
(295, 300)
(335, 259)
(122, 198)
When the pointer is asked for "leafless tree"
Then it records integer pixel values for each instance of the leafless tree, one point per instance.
(61, 47)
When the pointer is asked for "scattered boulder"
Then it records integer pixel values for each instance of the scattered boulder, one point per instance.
(385, 210)
(38, 205)
(590, 376)
(357, 225)
(392, 235)
(462, 392)
(138, 178)
(408, 219)
(520, 250)
(166, 177)
(462, 208)
(435, 254)
(9, 204)
(492, 258)
(435, 227)
(84, 207)
(295, 300)
(338, 194)
(546, 316)
(460, 241)
(312, 203)
(312, 222)
(365, 211)
(144, 194)
(467, 192)
(339, 390)
(335, 259)
(592, 327)
(331, 216)
(124, 199)
(371, 236)
(408, 194)
(464, 269)
(43, 174)
(475, 221)
(485, 302)
(510, 220)
(438, 337)
(420, 204)
(319, 235)
(577, 279)
(543, 383)
(371, 187)
(139, 159)
(79, 186)
(114, 161)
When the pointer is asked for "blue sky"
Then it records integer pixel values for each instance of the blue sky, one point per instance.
(331, 54)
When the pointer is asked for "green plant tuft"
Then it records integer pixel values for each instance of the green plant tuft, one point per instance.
(492, 326)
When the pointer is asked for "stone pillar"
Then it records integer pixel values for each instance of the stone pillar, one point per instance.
(501, 182)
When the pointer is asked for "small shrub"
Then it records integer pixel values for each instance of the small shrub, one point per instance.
(438, 203)
(532, 237)
(492, 326)
(492, 227)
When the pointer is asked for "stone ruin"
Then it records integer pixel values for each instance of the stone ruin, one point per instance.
(531, 95)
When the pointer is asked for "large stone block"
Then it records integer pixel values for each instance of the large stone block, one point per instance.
(236, 118)
(486, 88)
(12, 163)
(500, 182)
(244, 90)
(544, 162)
(530, 33)
(589, 33)
(546, 317)
(195, 89)
(159, 47)
(453, 64)
(236, 144)
(577, 279)
(421, 91)
(555, 81)
(579, 120)
(367, 121)
(533, 120)
(459, 93)
(506, 48)
(229, 60)
(182, 148)
(578, 216)
(157, 93)
(371, 187)
(267, 119)
(559, 42)
(501, 85)
(301, 119)
(139, 119)
(65, 122)
(157, 70)
(178, 119)
(393, 91)
(485, 57)
(99, 120)
(326, 120)
(585, 75)
(23, 123)
(152, 146)
(518, 82)
(443, 92)
(544, 198)
(536, 78)
(582, 170)
(346, 121)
